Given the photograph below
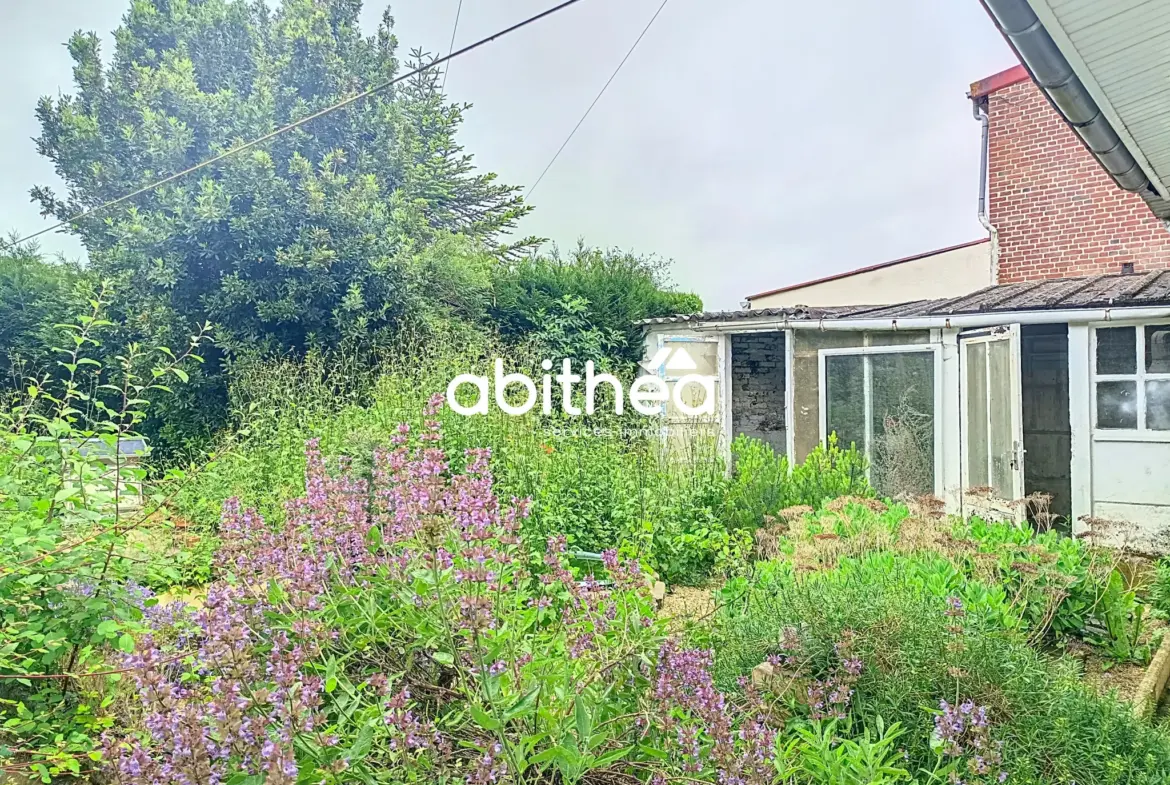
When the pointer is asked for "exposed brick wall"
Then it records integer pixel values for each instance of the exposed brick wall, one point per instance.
(757, 387)
(1057, 211)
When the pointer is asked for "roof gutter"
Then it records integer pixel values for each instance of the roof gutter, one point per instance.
(1052, 72)
(959, 321)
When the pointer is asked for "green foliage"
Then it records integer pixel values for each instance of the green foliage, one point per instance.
(1063, 586)
(35, 294)
(364, 233)
(618, 289)
(828, 472)
(917, 651)
(68, 569)
(763, 483)
(1160, 589)
(315, 239)
(821, 755)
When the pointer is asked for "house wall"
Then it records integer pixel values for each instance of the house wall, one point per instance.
(1129, 487)
(951, 273)
(757, 387)
(1057, 212)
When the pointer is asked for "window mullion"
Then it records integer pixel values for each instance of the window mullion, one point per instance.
(867, 408)
(987, 416)
(1140, 380)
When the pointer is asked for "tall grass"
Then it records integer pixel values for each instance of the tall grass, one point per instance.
(599, 480)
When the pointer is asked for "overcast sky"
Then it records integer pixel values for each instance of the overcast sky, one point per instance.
(756, 144)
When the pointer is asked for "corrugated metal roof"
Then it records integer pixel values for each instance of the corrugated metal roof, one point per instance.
(1099, 291)
(799, 312)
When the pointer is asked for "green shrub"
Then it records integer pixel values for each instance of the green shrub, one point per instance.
(763, 483)
(1160, 589)
(71, 573)
(919, 647)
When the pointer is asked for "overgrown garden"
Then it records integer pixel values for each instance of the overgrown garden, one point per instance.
(318, 573)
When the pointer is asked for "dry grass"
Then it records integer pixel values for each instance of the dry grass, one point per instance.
(687, 603)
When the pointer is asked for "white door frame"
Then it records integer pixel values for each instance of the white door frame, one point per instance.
(1011, 334)
(933, 349)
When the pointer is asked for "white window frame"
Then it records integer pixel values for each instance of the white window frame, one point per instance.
(933, 349)
(1140, 377)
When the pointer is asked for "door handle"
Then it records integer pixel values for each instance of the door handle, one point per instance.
(1017, 454)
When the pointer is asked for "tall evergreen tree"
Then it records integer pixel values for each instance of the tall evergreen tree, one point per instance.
(307, 240)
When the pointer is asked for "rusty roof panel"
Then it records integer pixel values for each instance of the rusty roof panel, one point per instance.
(1099, 291)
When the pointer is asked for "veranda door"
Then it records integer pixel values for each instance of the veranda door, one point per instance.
(992, 439)
(680, 356)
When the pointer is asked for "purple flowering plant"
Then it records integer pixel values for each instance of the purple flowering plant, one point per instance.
(67, 568)
(392, 628)
(962, 740)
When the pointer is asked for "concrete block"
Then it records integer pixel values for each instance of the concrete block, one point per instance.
(1150, 689)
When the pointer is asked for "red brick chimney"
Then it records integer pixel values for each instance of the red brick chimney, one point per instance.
(1058, 214)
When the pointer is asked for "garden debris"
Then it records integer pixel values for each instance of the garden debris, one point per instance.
(658, 593)
(842, 503)
(794, 513)
(684, 603)
(763, 675)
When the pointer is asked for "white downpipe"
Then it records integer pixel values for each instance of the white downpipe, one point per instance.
(980, 111)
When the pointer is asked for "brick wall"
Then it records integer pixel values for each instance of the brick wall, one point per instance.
(757, 387)
(1057, 211)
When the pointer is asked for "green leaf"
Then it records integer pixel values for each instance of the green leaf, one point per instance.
(613, 756)
(584, 722)
(523, 706)
(65, 493)
(443, 658)
(107, 628)
(126, 643)
(361, 745)
(276, 593)
(181, 374)
(246, 779)
(483, 719)
(330, 684)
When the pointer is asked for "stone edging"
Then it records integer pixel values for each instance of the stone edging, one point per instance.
(1145, 702)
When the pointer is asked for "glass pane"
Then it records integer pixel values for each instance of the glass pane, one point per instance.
(845, 399)
(1116, 350)
(686, 357)
(693, 396)
(976, 424)
(902, 422)
(1158, 406)
(1158, 348)
(1117, 405)
(1001, 441)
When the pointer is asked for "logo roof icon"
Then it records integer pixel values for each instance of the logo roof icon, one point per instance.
(669, 359)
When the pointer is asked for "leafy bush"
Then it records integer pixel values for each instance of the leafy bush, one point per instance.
(391, 629)
(920, 646)
(34, 295)
(591, 300)
(70, 571)
(764, 484)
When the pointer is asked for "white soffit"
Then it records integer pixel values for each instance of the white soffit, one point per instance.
(1120, 49)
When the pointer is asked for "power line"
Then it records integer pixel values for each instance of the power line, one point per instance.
(295, 124)
(451, 46)
(612, 76)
